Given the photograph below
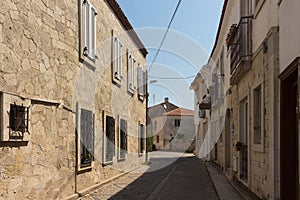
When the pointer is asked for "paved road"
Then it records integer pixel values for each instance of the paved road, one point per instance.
(166, 178)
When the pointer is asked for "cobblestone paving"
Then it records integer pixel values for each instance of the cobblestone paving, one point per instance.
(185, 178)
(137, 184)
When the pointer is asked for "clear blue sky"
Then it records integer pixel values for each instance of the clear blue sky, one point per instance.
(186, 48)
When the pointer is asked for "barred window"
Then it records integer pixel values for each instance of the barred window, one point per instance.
(18, 121)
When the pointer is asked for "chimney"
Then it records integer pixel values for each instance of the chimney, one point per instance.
(166, 99)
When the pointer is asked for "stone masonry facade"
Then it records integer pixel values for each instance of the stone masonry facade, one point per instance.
(43, 70)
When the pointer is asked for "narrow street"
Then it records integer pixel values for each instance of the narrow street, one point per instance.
(167, 178)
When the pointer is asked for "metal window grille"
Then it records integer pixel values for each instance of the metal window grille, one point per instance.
(18, 121)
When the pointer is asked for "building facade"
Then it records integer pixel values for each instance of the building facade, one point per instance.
(172, 127)
(256, 55)
(73, 98)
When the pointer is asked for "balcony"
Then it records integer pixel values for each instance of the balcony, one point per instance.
(241, 51)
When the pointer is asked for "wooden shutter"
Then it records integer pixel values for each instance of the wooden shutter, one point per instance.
(86, 136)
(123, 138)
(140, 80)
(110, 139)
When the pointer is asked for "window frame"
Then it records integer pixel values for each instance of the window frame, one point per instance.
(258, 147)
(141, 139)
(178, 122)
(120, 157)
(80, 166)
(104, 146)
(89, 163)
(88, 40)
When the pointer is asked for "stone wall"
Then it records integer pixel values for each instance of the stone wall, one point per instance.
(41, 69)
(263, 70)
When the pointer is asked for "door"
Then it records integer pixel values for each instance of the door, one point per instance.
(243, 135)
(289, 147)
(227, 145)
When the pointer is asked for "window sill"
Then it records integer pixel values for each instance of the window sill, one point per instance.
(13, 143)
(131, 91)
(141, 97)
(107, 163)
(117, 80)
(88, 60)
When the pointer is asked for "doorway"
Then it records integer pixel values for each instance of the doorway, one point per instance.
(289, 145)
(243, 137)
(227, 145)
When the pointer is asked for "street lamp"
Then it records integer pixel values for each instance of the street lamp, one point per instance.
(147, 117)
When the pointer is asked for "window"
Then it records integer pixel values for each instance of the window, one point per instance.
(86, 137)
(177, 122)
(155, 126)
(130, 74)
(123, 139)
(258, 112)
(89, 29)
(141, 138)
(18, 121)
(117, 60)
(109, 151)
(141, 83)
(157, 139)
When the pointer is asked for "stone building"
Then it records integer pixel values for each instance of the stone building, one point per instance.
(256, 56)
(73, 103)
(172, 127)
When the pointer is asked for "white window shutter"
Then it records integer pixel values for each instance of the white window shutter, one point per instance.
(120, 60)
(140, 80)
(129, 64)
(133, 86)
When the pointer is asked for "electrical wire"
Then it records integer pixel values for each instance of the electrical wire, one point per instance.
(165, 35)
(172, 78)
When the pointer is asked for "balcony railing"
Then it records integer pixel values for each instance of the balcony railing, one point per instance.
(240, 45)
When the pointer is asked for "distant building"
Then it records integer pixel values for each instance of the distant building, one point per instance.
(172, 127)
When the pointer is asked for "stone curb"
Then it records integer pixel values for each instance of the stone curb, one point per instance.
(213, 183)
(97, 186)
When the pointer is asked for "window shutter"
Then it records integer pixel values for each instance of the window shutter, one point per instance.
(93, 31)
(133, 86)
(123, 138)
(140, 81)
(86, 136)
(129, 78)
(110, 138)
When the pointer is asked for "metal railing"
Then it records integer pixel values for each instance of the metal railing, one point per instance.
(241, 42)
